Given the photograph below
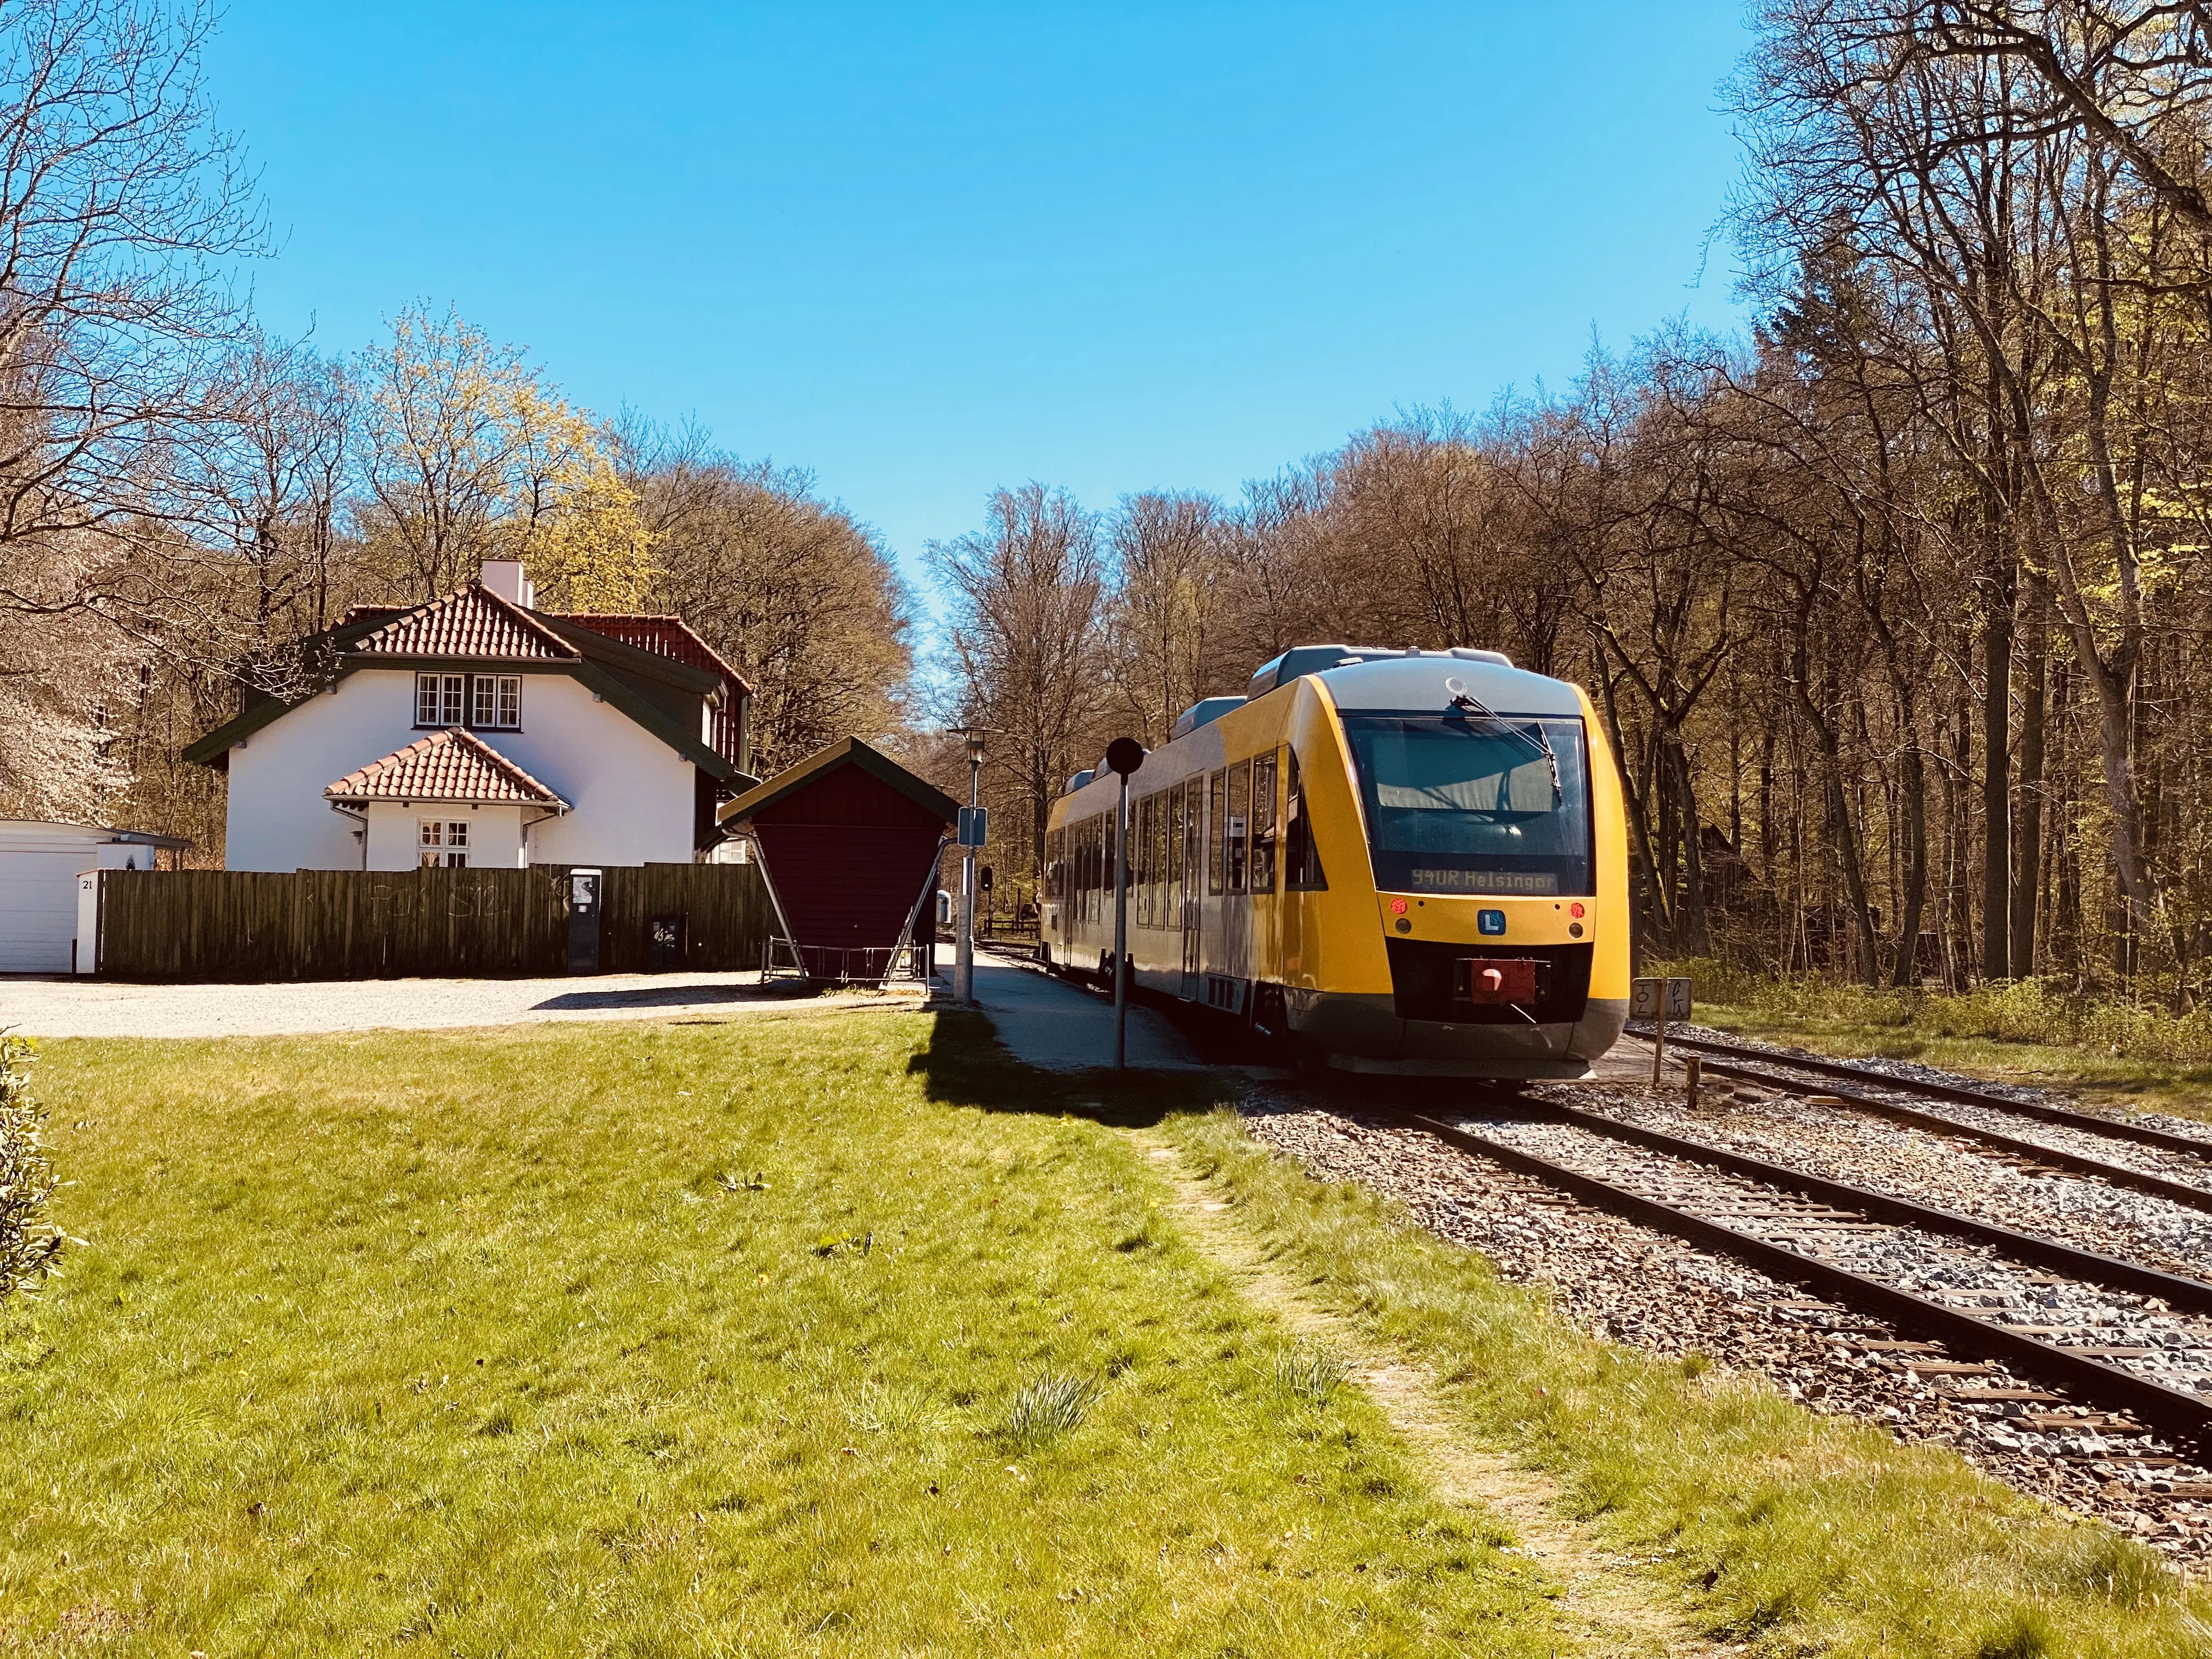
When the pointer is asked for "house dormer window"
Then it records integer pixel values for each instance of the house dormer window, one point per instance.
(488, 703)
(440, 699)
(498, 702)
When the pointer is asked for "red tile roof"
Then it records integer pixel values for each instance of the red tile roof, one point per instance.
(472, 623)
(358, 614)
(445, 766)
(666, 636)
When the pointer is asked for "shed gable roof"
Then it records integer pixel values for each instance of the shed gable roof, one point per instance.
(848, 751)
(447, 766)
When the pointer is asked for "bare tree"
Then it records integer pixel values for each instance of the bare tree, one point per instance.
(798, 596)
(1171, 554)
(119, 198)
(1027, 594)
(276, 491)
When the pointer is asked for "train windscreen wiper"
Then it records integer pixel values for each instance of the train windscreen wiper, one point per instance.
(1541, 742)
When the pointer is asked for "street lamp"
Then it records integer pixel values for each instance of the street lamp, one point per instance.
(973, 834)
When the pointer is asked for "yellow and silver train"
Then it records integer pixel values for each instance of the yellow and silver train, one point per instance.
(1394, 862)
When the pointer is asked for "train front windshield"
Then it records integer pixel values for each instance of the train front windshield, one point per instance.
(1462, 804)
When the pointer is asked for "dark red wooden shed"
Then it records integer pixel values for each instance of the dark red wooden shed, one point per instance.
(849, 841)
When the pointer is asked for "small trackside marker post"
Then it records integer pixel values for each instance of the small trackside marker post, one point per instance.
(1691, 1069)
(1659, 1001)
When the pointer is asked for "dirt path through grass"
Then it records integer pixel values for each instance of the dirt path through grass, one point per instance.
(1618, 1610)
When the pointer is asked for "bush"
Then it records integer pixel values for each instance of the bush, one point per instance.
(28, 1241)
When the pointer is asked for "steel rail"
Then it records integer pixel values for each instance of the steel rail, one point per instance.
(2184, 1417)
(2058, 1158)
(2095, 1123)
(2087, 1265)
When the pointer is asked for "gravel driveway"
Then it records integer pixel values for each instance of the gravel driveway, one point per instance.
(59, 1007)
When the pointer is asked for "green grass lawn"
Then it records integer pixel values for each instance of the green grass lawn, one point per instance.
(649, 1340)
(843, 1334)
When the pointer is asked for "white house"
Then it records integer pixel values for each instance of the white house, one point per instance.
(39, 863)
(476, 730)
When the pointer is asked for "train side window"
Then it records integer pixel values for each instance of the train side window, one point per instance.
(1300, 858)
(1109, 828)
(1172, 915)
(1239, 826)
(1136, 867)
(1193, 849)
(1102, 865)
(1263, 823)
(1147, 844)
(1052, 846)
(1161, 874)
(1217, 844)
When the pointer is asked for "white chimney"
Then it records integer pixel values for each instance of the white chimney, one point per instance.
(504, 577)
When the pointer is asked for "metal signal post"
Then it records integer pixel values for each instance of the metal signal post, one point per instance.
(973, 833)
(1125, 755)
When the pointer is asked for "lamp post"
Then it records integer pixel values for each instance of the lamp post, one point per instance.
(1124, 755)
(971, 837)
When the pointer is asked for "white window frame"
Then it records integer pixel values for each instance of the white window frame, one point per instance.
(495, 702)
(442, 842)
(440, 701)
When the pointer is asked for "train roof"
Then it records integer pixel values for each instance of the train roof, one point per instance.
(1364, 680)
(1407, 682)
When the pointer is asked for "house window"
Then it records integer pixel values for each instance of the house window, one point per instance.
(440, 699)
(445, 842)
(498, 699)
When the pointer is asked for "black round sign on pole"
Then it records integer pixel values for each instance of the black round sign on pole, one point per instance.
(1125, 755)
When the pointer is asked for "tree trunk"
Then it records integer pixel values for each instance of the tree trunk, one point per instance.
(1913, 809)
(2027, 830)
(1997, 783)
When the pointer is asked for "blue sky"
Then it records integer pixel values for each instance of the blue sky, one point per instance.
(927, 250)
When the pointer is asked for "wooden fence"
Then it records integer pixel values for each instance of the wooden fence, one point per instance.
(369, 924)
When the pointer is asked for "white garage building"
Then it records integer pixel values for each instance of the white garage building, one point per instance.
(39, 863)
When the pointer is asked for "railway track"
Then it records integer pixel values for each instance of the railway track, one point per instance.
(2184, 1171)
(2046, 1313)
(2085, 1373)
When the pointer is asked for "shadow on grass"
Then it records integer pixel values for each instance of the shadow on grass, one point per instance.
(966, 1065)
